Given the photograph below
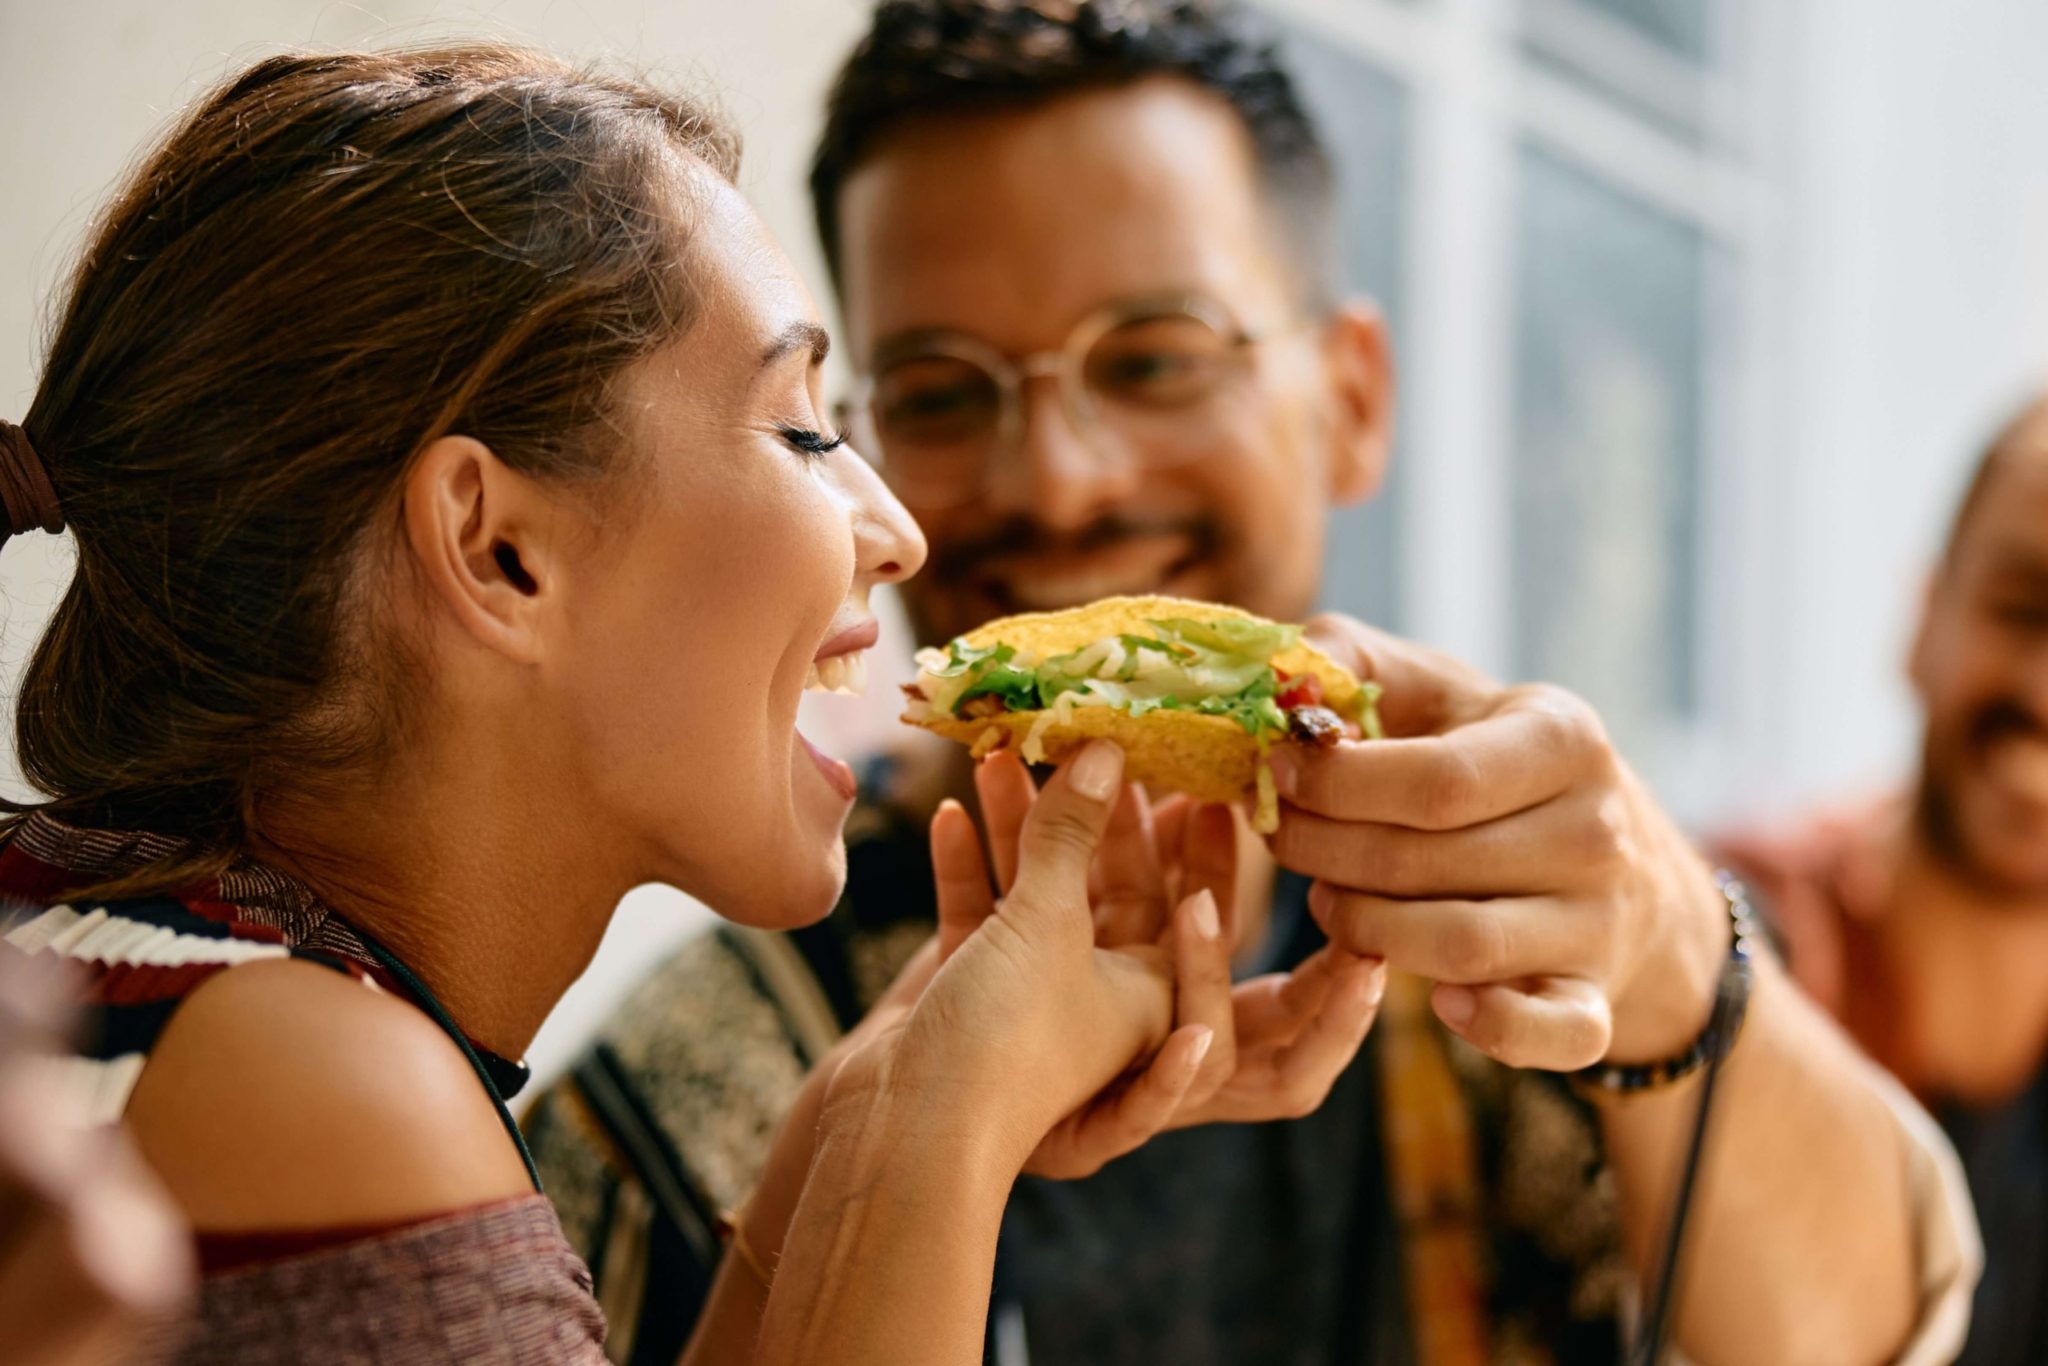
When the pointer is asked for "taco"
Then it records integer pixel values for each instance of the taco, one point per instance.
(1195, 693)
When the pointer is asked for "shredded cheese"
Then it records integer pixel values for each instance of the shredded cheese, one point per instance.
(1266, 814)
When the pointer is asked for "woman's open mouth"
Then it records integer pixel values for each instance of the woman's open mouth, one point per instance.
(840, 666)
(838, 773)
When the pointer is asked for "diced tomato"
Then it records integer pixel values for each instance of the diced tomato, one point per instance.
(1306, 691)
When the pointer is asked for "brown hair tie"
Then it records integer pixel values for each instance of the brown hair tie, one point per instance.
(25, 485)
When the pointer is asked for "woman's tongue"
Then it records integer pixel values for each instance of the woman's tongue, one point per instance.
(837, 772)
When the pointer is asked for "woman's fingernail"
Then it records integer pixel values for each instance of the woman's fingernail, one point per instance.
(1286, 773)
(1203, 911)
(1094, 775)
(1200, 1050)
(1375, 983)
(1455, 1006)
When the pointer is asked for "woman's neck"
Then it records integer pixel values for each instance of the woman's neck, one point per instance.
(483, 880)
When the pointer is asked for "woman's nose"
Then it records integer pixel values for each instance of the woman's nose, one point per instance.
(888, 546)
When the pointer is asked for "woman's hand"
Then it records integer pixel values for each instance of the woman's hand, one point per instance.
(1025, 1019)
(1011, 1038)
(1162, 883)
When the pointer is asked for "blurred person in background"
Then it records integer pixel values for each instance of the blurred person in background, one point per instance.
(1082, 256)
(1920, 917)
(94, 1256)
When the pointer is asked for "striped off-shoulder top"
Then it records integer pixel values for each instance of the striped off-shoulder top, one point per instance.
(492, 1284)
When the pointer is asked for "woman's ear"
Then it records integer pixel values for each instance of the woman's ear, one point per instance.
(478, 533)
(1358, 361)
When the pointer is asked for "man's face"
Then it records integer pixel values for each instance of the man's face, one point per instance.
(1981, 668)
(1012, 228)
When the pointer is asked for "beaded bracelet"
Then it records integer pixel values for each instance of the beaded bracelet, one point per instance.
(1606, 1079)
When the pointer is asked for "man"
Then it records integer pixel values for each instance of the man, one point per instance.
(1079, 252)
(1921, 918)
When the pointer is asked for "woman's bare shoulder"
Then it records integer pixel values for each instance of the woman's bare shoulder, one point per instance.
(286, 1095)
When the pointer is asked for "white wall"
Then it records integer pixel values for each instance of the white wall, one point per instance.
(1919, 315)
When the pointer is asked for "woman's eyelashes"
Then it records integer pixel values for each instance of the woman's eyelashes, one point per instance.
(810, 443)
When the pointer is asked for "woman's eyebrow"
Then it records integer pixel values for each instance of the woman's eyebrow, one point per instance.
(798, 336)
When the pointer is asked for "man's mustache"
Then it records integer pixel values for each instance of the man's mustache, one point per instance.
(2007, 716)
(1022, 536)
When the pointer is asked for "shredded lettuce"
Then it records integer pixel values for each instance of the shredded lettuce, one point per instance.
(1218, 668)
(1017, 687)
(960, 657)
(1259, 640)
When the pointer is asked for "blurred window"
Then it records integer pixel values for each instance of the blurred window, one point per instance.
(1553, 200)
(1680, 25)
(1606, 467)
(1363, 112)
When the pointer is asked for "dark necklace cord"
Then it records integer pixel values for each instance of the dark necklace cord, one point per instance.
(432, 1005)
(1717, 1040)
(1729, 1006)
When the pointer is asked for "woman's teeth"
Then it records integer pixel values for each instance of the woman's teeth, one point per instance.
(847, 673)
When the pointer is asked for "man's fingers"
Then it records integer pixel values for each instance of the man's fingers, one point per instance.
(1422, 690)
(1007, 793)
(1129, 887)
(1559, 1024)
(1555, 847)
(1201, 969)
(1060, 835)
(965, 899)
(1513, 974)
(1521, 757)
(1463, 941)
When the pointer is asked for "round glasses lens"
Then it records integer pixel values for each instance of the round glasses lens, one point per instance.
(1162, 361)
(933, 403)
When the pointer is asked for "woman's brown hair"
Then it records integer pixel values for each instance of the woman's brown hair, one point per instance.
(333, 261)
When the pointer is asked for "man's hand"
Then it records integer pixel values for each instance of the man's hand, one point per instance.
(1497, 844)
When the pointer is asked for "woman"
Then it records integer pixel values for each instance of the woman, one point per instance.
(456, 532)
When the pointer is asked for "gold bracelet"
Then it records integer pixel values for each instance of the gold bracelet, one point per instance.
(732, 1224)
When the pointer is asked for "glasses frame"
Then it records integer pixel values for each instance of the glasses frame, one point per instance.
(1065, 364)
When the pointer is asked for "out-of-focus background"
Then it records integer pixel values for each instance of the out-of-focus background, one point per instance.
(1703, 309)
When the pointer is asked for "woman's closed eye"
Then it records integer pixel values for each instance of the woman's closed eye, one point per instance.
(811, 443)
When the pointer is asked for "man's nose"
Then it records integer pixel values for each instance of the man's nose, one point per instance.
(2032, 679)
(1058, 474)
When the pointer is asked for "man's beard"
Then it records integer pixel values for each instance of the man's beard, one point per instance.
(1022, 537)
(1938, 810)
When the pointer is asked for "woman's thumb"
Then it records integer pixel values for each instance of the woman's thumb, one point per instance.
(1060, 835)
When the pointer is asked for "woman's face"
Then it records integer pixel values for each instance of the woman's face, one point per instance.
(738, 559)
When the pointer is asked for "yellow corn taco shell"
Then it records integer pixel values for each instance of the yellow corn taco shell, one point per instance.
(1210, 758)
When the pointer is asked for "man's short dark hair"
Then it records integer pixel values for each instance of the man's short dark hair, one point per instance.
(2003, 447)
(930, 58)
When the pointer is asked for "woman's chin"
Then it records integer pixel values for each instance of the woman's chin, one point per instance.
(794, 891)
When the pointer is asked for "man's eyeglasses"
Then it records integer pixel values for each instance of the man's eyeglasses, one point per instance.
(943, 409)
